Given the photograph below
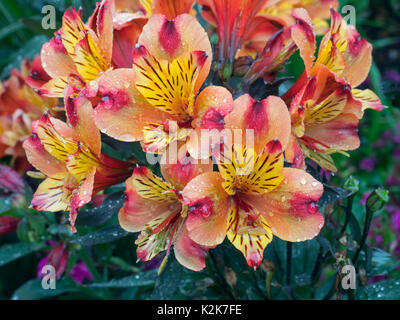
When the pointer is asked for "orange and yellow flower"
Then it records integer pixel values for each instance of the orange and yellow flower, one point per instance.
(244, 26)
(325, 106)
(70, 157)
(79, 53)
(156, 102)
(155, 208)
(19, 106)
(265, 199)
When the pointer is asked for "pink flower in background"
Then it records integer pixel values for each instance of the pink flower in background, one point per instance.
(10, 180)
(80, 272)
(58, 257)
(367, 164)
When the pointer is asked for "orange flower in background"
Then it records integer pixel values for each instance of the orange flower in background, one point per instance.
(170, 64)
(19, 106)
(154, 207)
(233, 21)
(265, 198)
(70, 157)
(325, 107)
(244, 27)
(317, 9)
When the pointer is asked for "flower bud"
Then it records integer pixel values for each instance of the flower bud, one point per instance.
(8, 225)
(377, 199)
(242, 65)
(58, 258)
(10, 180)
(352, 184)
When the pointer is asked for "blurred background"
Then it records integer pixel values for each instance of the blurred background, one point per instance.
(375, 164)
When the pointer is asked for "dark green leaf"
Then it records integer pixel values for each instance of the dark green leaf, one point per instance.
(5, 204)
(105, 235)
(142, 279)
(33, 290)
(168, 282)
(332, 194)
(11, 252)
(99, 215)
(384, 290)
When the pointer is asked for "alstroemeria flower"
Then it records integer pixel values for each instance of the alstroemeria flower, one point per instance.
(154, 207)
(232, 19)
(279, 48)
(325, 107)
(70, 156)
(265, 198)
(19, 106)
(155, 102)
(79, 53)
(343, 51)
(244, 27)
(170, 8)
(317, 9)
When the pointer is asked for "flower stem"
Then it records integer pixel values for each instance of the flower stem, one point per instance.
(367, 225)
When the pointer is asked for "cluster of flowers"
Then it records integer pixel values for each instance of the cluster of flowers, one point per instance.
(139, 71)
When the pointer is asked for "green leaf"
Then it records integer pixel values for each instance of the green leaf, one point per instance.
(382, 262)
(101, 214)
(168, 282)
(140, 280)
(28, 51)
(5, 204)
(332, 194)
(104, 235)
(33, 290)
(9, 29)
(11, 252)
(304, 258)
(384, 290)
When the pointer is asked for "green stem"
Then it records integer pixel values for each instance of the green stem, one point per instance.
(368, 220)
(349, 208)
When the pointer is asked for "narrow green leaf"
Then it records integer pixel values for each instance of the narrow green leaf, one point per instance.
(11, 252)
(140, 280)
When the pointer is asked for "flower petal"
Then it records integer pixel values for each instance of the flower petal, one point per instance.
(73, 30)
(168, 39)
(269, 119)
(368, 99)
(171, 8)
(250, 234)
(122, 113)
(358, 57)
(291, 209)
(55, 59)
(208, 209)
(340, 133)
(79, 112)
(52, 194)
(188, 253)
(168, 86)
(138, 211)
(151, 187)
(41, 159)
(179, 168)
(89, 59)
(246, 171)
(303, 36)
